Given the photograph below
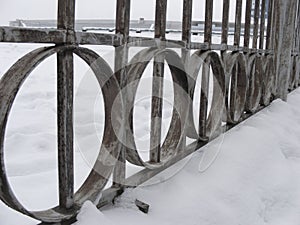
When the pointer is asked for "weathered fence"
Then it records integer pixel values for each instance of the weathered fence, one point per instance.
(246, 77)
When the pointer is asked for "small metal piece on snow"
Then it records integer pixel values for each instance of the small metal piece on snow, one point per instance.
(144, 207)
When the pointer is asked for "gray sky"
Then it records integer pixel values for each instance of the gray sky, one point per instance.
(100, 9)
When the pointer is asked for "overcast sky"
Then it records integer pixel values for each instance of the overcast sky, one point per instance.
(100, 9)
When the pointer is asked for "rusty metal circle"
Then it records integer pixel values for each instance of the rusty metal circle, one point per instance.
(255, 73)
(214, 119)
(268, 80)
(136, 68)
(236, 84)
(10, 84)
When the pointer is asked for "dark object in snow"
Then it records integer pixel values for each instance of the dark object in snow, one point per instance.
(142, 206)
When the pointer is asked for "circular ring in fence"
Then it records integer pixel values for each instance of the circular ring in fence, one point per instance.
(268, 80)
(294, 75)
(212, 120)
(297, 81)
(236, 86)
(135, 71)
(9, 87)
(255, 70)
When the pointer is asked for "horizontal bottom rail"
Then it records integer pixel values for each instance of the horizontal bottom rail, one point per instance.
(144, 175)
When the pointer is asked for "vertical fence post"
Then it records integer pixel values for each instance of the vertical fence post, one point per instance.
(225, 22)
(256, 23)
(209, 4)
(66, 21)
(269, 39)
(262, 24)
(238, 22)
(186, 27)
(247, 24)
(157, 86)
(297, 31)
(202, 128)
(185, 52)
(297, 48)
(121, 61)
(283, 31)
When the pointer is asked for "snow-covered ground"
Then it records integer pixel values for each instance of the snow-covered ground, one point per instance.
(254, 179)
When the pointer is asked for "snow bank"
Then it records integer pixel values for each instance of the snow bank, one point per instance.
(254, 180)
(90, 215)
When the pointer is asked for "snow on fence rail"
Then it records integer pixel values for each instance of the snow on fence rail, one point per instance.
(246, 77)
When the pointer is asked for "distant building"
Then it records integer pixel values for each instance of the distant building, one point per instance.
(140, 25)
(83, 24)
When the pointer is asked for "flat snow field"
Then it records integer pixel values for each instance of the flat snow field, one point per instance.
(248, 176)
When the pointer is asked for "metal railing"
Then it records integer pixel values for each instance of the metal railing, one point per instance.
(246, 77)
